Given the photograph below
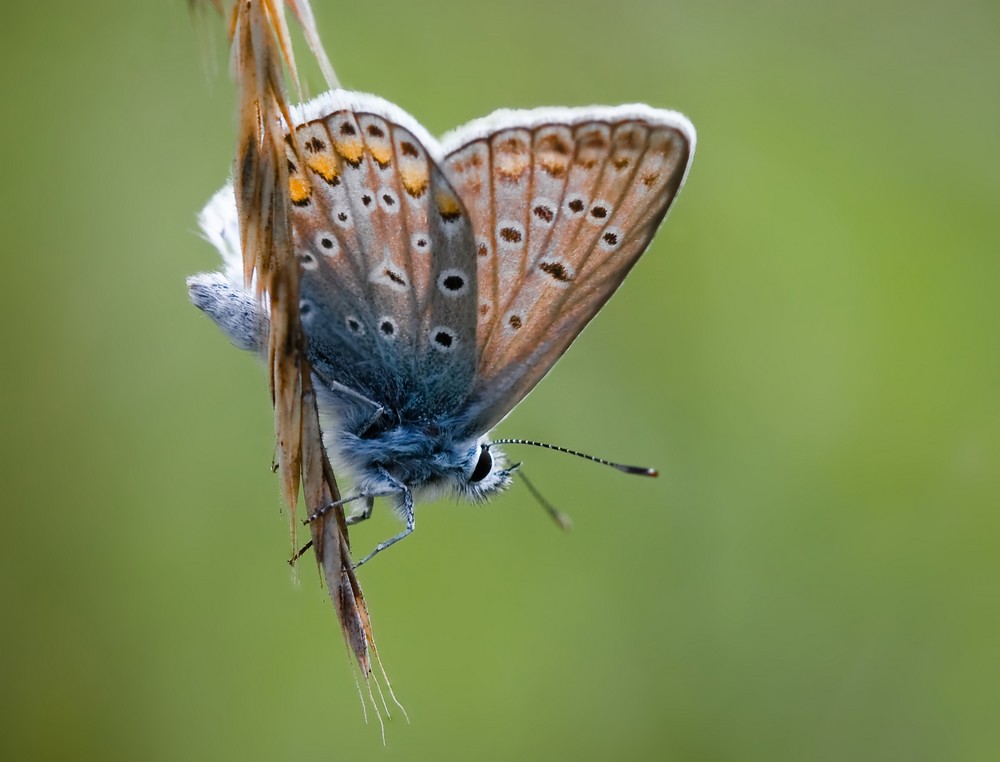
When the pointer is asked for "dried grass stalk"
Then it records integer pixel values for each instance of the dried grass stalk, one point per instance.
(261, 53)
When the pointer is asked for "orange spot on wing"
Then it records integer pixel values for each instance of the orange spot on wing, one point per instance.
(448, 205)
(381, 154)
(553, 164)
(415, 180)
(325, 166)
(511, 166)
(511, 145)
(351, 150)
(299, 190)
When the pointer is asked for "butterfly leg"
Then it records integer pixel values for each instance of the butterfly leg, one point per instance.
(364, 515)
(353, 519)
(406, 509)
(374, 420)
(323, 509)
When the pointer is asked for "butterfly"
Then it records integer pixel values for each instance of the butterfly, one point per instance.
(442, 280)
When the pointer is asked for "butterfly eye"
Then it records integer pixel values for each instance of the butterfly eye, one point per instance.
(483, 467)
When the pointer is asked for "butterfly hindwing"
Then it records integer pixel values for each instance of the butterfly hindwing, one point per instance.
(565, 201)
(389, 288)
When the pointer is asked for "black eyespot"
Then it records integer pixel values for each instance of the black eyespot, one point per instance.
(483, 466)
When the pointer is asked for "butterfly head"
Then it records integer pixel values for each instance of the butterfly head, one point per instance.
(486, 472)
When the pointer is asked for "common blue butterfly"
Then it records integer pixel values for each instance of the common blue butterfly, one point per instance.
(442, 280)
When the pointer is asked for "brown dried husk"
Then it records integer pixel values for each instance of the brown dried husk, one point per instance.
(261, 51)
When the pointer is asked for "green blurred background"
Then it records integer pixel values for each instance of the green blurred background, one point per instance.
(809, 354)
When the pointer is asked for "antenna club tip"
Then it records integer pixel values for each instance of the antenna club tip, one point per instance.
(639, 470)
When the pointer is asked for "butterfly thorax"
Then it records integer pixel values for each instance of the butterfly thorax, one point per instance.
(383, 447)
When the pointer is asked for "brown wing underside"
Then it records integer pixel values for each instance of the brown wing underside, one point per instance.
(560, 212)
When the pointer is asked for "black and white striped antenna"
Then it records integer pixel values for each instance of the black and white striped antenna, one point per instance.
(637, 470)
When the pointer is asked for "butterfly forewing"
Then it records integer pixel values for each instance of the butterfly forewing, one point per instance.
(596, 185)
(331, 253)
(389, 289)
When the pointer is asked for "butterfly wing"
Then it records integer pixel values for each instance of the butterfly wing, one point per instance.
(563, 202)
(389, 287)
